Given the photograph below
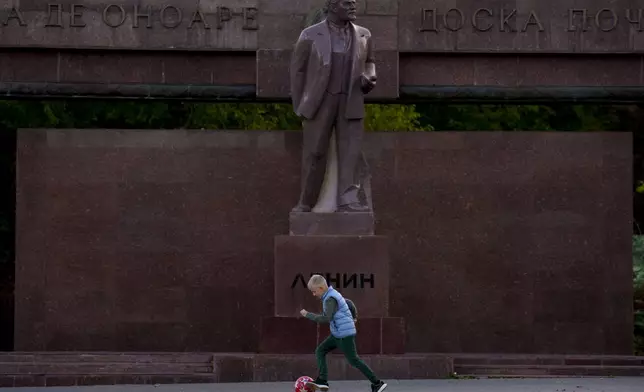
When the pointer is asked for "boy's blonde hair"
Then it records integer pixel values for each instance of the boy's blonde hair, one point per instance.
(317, 281)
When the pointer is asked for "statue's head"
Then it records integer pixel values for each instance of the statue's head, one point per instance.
(343, 10)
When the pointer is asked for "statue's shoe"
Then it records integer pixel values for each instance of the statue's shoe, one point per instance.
(353, 207)
(301, 208)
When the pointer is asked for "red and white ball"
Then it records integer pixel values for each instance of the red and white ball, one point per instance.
(300, 384)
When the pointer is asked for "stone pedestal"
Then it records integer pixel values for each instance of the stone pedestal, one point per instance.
(290, 335)
(358, 266)
(336, 223)
(343, 248)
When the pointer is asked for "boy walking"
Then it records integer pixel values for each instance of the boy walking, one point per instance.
(341, 314)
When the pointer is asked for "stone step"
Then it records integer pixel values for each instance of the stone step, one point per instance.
(74, 368)
(540, 365)
(549, 370)
(45, 369)
(87, 380)
(105, 357)
(586, 360)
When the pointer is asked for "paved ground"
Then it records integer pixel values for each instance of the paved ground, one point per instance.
(624, 384)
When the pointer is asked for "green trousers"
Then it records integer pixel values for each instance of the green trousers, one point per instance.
(348, 347)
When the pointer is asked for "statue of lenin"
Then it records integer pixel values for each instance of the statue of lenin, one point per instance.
(332, 68)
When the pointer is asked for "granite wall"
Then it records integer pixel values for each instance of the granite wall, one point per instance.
(163, 240)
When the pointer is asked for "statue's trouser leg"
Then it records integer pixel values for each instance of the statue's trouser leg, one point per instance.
(317, 132)
(349, 137)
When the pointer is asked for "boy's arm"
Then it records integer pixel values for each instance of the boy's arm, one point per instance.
(326, 317)
(352, 309)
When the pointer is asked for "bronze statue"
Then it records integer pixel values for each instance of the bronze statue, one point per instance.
(332, 68)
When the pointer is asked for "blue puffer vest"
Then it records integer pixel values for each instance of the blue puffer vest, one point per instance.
(342, 324)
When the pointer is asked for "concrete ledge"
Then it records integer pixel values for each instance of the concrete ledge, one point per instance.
(247, 92)
(521, 94)
(128, 91)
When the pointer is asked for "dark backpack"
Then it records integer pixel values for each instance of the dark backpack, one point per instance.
(352, 308)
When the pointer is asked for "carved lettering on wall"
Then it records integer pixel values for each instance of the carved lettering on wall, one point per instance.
(118, 16)
(434, 20)
(339, 280)
(76, 16)
(634, 17)
(13, 16)
(114, 15)
(509, 20)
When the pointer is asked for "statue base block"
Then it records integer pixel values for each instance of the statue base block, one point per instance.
(358, 266)
(333, 223)
(290, 335)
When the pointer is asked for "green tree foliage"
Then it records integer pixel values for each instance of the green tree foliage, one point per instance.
(169, 115)
(638, 285)
(241, 116)
(526, 117)
(88, 114)
(272, 116)
(394, 118)
(487, 117)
